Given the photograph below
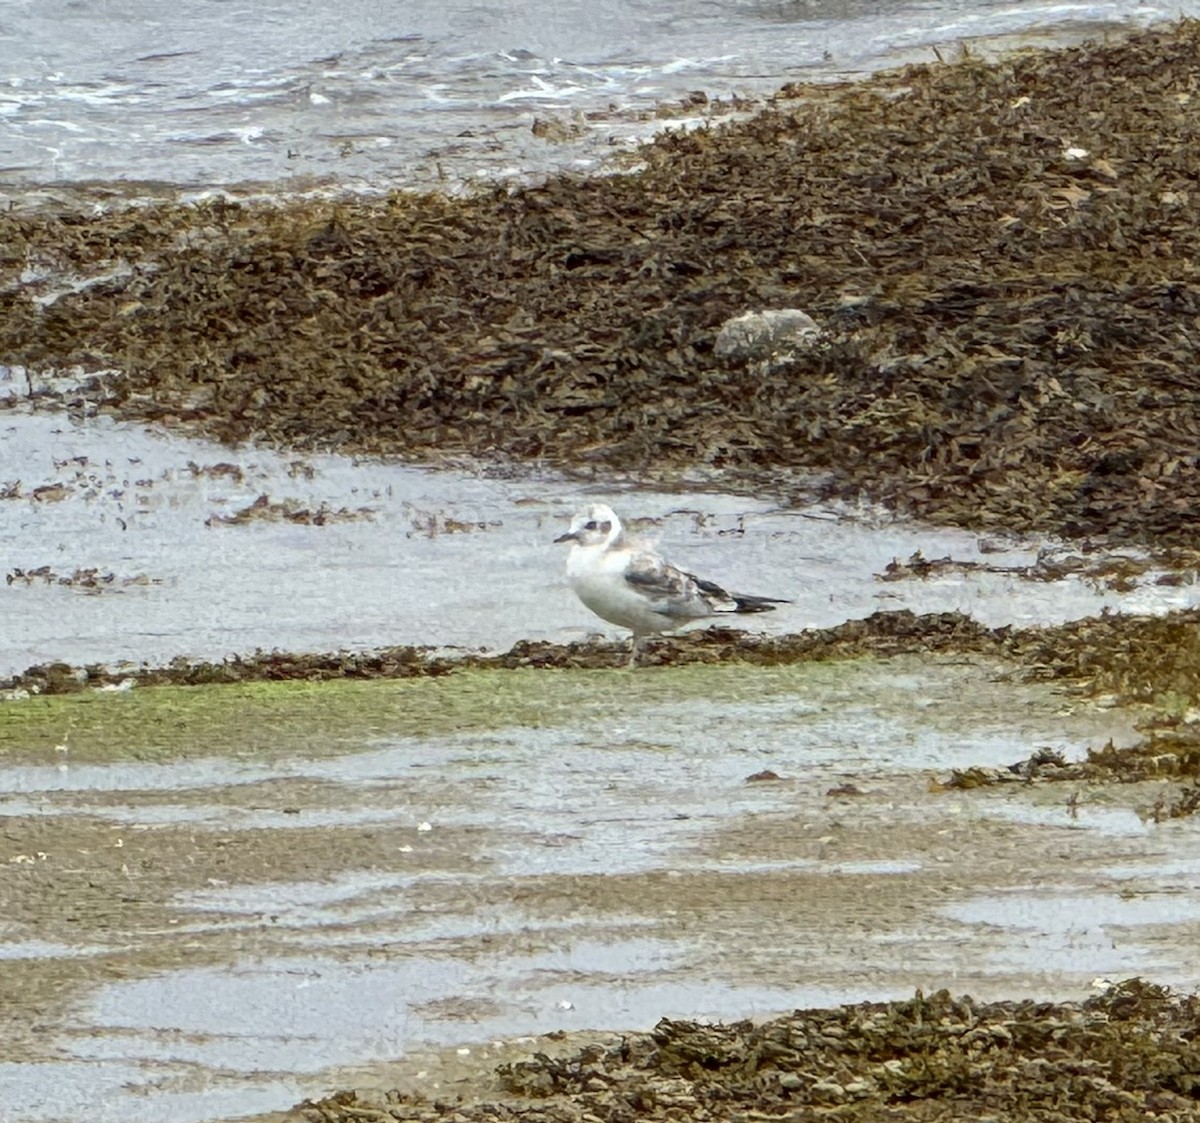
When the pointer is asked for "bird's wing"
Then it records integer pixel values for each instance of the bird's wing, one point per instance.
(671, 591)
(684, 596)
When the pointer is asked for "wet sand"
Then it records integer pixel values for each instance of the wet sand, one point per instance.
(248, 928)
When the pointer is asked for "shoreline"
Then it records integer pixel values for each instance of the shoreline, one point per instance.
(997, 255)
(1071, 651)
(282, 868)
(592, 138)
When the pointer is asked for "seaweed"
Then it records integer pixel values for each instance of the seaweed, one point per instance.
(1000, 257)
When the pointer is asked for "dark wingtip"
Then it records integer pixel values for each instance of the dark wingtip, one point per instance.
(757, 604)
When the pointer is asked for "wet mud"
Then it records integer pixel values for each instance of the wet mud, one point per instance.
(220, 899)
(229, 901)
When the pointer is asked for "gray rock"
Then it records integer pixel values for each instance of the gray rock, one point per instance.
(763, 335)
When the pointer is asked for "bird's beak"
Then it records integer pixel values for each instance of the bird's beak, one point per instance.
(570, 536)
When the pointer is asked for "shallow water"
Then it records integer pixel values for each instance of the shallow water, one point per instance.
(441, 558)
(200, 93)
(275, 906)
(226, 934)
(1060, 931)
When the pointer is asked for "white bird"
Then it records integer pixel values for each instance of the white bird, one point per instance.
(630, 585)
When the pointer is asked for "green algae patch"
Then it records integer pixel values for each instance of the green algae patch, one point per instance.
(273, 719)
(246, 719)
(266, 719)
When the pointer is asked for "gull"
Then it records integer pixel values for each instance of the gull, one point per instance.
(630, 585)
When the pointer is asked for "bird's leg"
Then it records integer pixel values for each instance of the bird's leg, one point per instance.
(633, 650)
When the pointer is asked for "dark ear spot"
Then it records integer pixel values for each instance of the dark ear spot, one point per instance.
(605, 528)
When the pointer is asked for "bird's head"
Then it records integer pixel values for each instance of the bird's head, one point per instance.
(597, 526)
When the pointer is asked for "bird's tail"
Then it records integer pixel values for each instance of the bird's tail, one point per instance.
(755, 604)
(721, 601)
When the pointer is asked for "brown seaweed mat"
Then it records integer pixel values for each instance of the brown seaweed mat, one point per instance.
(1129, 1054)
(1002, 255)
(1136, 659)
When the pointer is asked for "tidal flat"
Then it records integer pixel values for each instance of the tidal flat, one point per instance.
(941, 808)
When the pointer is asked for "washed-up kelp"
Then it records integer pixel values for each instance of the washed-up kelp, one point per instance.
(1134, 658)
(1002, 257)
(1127, 1055)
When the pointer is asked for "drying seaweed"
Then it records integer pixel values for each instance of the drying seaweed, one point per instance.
(264, 509)
(1042, 764)
(87, 580)
(1131, 659)
(1001, 257)
(1135, 659)
(1173, 755)
(1111, 571)
(882, 634)
(1126, 1055)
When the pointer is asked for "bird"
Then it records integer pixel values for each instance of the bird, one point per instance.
(633, 586)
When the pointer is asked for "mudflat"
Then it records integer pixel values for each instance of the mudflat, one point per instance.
(236, 884)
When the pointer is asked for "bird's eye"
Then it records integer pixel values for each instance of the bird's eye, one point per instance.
(590, 526)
